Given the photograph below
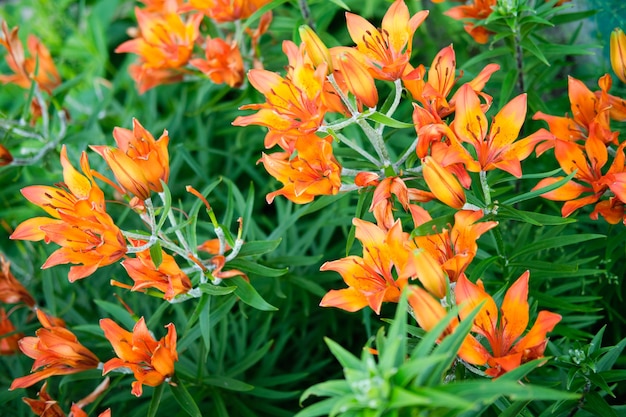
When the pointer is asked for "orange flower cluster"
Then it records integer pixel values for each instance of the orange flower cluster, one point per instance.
(56, 351)
(38, 69)
(46, 406)
(392, 261)
(167, 277)
(139, 163)
(79, 224)
(501, 328)
(151, 362)
(585, 143)
(167, 39)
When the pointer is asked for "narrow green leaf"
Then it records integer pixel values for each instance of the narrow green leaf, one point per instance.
(433, 226)
(608, 359)
(167, 205)
(156, 253)
(388, 121)
(555, 242)
(119, 313)
(333, 388)
(228, 383)
(253, 267)
(258, 247)
(345, 358)
(536, 193)
(211, 289)
(156, 400)
(186, 401)
(360, 208)
(530, 45)
(598, 406)
(246, 292)
(205, 323)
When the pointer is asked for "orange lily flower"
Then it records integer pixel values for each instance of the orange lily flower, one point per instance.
(223, 63)
(166, 41)
(151, 362)
(47, 78)
(588, 108)
(478, 10)
(167, 278)
(498, 148)
(45, 406)
(456, 247)
(618, 53)
(56, 351)
(314, 171)
(139, 162)
(432, 94)
(295, 105)
(212, 246)
(503, 327)
(370, 278)
(11, 290)
(388, 50)
(226, 10)
(588, 164)
(9, 338)
(80, 224)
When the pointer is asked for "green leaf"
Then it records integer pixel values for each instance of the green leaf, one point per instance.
(119, 313)
(333, 388)
(258, 247)
(530, 45)
(166, 196)
(249, 295)
(433, 226)
(401, 398)
(597, 405)
(211, 289)
(185, 399)
(537, 219)
(156, 400)
(253, 267)
(608, 359)
(205, 323)
(555, 242)
(388, 121)
(536, 193)
(322, 408)
(156, 253)
(341, 4)
(228, 383)
(345, 358)
(360, 209)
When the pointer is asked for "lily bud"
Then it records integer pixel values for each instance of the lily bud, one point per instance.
(618, 53)
(357, 79)
(127, 173)
(315, 48)
(430, 273)
(443, 184)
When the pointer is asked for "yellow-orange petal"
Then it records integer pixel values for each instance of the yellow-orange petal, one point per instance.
(348, 299)
(618, 53)
(443, 184)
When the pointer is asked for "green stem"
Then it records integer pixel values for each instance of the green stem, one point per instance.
(485, 187)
